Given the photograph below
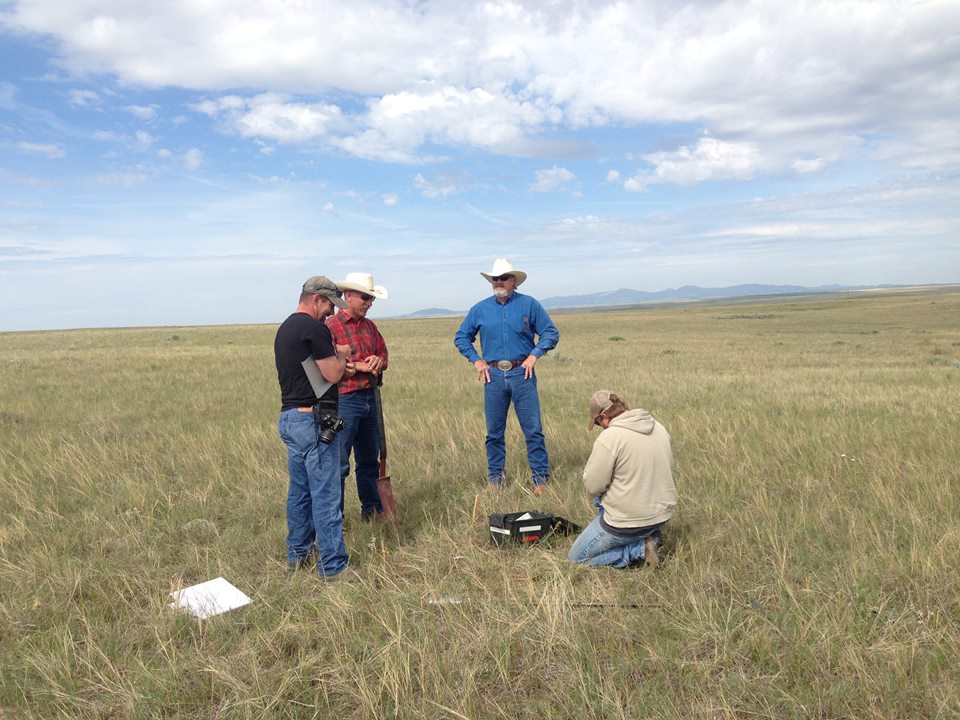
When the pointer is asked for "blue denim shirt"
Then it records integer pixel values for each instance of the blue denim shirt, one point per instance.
(507, 329)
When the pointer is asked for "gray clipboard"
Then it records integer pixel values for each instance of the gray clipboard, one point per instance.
(317, 382)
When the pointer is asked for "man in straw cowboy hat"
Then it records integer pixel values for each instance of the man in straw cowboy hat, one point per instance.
(358, 410)
(630, 474)
(515, 331)
(314, 521)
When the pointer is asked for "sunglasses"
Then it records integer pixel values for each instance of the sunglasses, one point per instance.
(365, 297)
(501, 278)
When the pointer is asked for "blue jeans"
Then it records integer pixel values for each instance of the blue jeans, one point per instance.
(601, 548)
(313, 501)
(359, 414)
(504, 388)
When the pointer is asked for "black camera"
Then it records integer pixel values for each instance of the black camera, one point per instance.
(330, 425)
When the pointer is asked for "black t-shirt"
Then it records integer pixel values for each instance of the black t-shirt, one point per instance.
(300, 337)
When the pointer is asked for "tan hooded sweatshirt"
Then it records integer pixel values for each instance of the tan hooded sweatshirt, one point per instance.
(631, 469)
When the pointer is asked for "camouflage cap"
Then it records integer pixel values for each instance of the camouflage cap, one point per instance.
(322, 285)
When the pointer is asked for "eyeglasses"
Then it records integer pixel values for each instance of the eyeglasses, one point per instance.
(363, 296)
(596, 420)
(501, 278)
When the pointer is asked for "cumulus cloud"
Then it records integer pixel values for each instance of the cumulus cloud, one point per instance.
(386, 80)
(272, 116)
(551, 179)
(710, 159)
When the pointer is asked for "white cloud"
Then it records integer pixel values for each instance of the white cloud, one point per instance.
(144, 140)
(130, 177)
(143, 112)
(193, 159)
(711, 159)
(8, 95)
(272, 116)
(442, 185)
(47, 150)
(934, 144)
(551, 180)
(391, 199)
(613, 176)
(82, 98)
(808, 165)
(384, 80)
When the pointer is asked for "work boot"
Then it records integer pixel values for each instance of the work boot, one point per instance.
(300, 563)
(650, 550)
(348, 575)
(538, 490)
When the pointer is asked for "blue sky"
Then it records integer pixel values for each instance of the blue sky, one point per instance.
(193, 163)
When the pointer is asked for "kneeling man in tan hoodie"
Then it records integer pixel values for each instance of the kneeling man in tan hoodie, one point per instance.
(630, 475)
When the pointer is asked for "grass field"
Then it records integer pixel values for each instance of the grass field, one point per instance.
(812, 568)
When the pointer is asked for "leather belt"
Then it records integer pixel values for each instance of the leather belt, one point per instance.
(505, 364)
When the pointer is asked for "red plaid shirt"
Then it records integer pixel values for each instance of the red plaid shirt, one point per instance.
(362, 335)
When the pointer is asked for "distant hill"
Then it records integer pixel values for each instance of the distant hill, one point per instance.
(432, 312)
(625, 296)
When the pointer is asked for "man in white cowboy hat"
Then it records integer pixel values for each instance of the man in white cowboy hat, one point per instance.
(630, 476)
(358, 410)
(515, 331)
(313, 519)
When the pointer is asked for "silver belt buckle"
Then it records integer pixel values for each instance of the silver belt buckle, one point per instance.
(504, 365)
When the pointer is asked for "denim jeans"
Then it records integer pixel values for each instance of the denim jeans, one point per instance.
(504, 388)
(313, 501)
(600, 548)
(359, 414)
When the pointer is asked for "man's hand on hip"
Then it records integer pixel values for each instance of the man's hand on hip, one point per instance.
(527, 366)
(483, 370)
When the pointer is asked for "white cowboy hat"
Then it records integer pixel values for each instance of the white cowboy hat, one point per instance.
(363, 282)
(502, 266)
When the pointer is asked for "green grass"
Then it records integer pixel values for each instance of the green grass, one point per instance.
(811, 569)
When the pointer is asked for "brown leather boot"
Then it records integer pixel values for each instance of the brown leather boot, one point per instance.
(650, 555)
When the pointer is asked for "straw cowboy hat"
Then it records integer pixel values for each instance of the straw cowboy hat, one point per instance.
(363, 282)
(502, 266)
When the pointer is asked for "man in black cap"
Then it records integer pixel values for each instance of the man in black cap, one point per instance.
(314, 519)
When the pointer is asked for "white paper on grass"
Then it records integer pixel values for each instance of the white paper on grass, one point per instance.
(209, 598)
